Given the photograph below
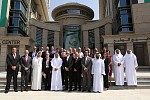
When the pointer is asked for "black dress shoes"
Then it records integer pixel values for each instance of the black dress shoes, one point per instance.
(6, 91)
(74, 89)
(69, 90)
(83, 90)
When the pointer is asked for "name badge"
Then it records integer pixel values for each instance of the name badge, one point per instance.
(47, 66)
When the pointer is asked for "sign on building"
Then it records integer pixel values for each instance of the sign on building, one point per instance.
(3, 12)
(143, 1)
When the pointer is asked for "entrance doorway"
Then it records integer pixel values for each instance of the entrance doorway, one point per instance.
(140, 52)
(121, 47)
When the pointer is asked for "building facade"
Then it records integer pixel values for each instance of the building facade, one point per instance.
(122, 24)
(15, 28)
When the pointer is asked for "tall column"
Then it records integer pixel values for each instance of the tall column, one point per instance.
(22, 49)
(97, 38)
(111, 48)
(101, 9)
(148, 46)
(3, 57)
(130, 46)
(44, 37)
(85, 39)
(56, 39)
(108, 29)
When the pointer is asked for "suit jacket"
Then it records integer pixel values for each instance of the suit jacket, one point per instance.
(88, 64)
(44, 69)
(107, 62)
(69, 63)
(25, 63)
(30, 54)
(44, 54)
(77, 65)
(11, 61)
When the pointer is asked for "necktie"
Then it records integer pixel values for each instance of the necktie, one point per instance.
(26, 58)
(14, 55)
(85, 60)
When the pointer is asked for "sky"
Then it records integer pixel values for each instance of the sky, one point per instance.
(93, 4)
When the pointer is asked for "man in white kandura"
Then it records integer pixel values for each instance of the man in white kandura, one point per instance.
(131, 65)
(118, 66)
(37, 72)
(56, 82)
(98, 70)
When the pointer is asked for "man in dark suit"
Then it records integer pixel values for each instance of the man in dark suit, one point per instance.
(46, 51)
(77, 70)
(47, 71)
(43, 52)
(86, 70)
(68, 71)
(25, 63)
(33, 53)
(13, 60)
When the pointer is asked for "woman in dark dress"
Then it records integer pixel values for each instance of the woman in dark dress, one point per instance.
(110, 66)
(106, 77)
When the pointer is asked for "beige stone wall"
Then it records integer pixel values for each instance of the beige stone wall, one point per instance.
(97, 38)
(2, 31)
(141, 17)
(24, 41)
(34, 24)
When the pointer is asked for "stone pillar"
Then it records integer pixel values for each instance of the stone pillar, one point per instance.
(44, 37)
(32, 32)
(108, 29)
(130, 46)
(111, 48)
(2, 31)
(3, 57)
(22, 49)
(101, 9)
(148, 46)
(85, 39)
(97, 38)
(56, 39)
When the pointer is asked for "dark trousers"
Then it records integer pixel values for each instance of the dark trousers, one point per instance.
(25, 79)
(9, 76)
(86, 80)
(77, 79)
(30, 75)
(106, 81)
(68, 75)
(47, 80)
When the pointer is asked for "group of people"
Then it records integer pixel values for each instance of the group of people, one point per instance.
(73, 69)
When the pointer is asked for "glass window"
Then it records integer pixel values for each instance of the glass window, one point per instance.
(102, 30)
(22, 8)
(123, 3)
(39, 34)
(72, 11)
(17, 5)
(50, 38)
(91, 39)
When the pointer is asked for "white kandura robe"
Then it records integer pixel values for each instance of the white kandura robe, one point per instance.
(98, 68)
(130, 64)
(56, 82)
(119, 70)
(37, 73)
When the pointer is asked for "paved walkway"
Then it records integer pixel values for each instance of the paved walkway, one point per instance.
(113, 94)
(140, 94)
